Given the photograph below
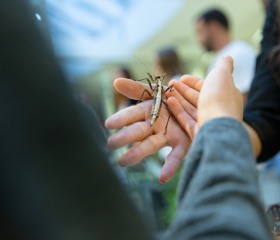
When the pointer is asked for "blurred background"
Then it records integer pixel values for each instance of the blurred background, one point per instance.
(92, 39)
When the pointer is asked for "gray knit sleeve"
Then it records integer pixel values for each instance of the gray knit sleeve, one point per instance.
(218, 195)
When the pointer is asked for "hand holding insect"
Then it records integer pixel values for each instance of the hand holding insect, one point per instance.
(216, 96)
(146, 139)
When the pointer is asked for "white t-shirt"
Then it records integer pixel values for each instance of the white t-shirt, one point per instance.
(244, 57)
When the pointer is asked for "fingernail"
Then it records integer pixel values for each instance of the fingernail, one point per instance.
(164, 175)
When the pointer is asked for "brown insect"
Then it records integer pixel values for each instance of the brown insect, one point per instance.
(158, 95)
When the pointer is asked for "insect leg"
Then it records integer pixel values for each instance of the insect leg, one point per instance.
(150, 80)
(170, 88)
(169, 111)
(143, 95)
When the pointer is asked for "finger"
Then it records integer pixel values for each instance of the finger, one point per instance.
(219, 96)
(132, 89)
(193, 82)
(225, 63)
(188, 107)
(172, 163)
(187, 92)
(143, 149)
(129, 115)
(131, 134)
(186, 121)
(219, 75)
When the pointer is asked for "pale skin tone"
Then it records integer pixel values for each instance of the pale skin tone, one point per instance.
(212, 35)
(193, 102)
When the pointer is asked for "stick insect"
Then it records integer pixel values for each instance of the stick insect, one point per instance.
(157, 95)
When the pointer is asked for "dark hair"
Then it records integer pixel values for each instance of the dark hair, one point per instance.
(169, 61)
(126, 72)
(214, 15)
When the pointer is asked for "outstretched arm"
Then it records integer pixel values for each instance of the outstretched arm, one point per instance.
(218, 194)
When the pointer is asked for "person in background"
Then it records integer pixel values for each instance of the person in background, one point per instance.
(168, 61)
(213, 34)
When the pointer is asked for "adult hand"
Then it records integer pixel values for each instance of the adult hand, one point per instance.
(218, 97)
(183, 102)
(145, 140)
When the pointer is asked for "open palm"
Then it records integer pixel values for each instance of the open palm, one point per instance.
(145, 140)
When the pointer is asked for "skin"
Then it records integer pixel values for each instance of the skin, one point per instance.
(212, 36)
(190, 89)
(135, 129)
(193, 102)
(204, 35)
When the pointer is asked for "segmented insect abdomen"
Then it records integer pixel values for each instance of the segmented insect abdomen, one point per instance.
(157, 105)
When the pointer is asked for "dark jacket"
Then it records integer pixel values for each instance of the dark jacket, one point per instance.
(262, 111)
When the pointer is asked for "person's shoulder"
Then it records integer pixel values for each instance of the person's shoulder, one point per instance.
(240, 45)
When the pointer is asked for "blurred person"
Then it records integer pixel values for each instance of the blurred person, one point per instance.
(265, 3)
(213, 33)
(262, 111)
(168, 61)
(53, 164)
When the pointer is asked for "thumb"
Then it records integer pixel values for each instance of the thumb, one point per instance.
(220, 74)
(219, 96)
(225, 63)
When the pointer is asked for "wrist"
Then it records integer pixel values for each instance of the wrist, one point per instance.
(255, 140)
(205, 116)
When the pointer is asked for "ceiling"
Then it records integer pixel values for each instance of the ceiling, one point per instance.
(91, 34)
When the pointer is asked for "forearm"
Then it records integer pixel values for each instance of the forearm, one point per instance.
(219, 196)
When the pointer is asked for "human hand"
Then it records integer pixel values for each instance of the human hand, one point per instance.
(183, 102)
(144, 139)
(218, 97)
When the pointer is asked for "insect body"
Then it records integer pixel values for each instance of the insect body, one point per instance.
(158, 97)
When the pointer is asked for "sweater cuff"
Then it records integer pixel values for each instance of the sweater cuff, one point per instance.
(224, 125)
